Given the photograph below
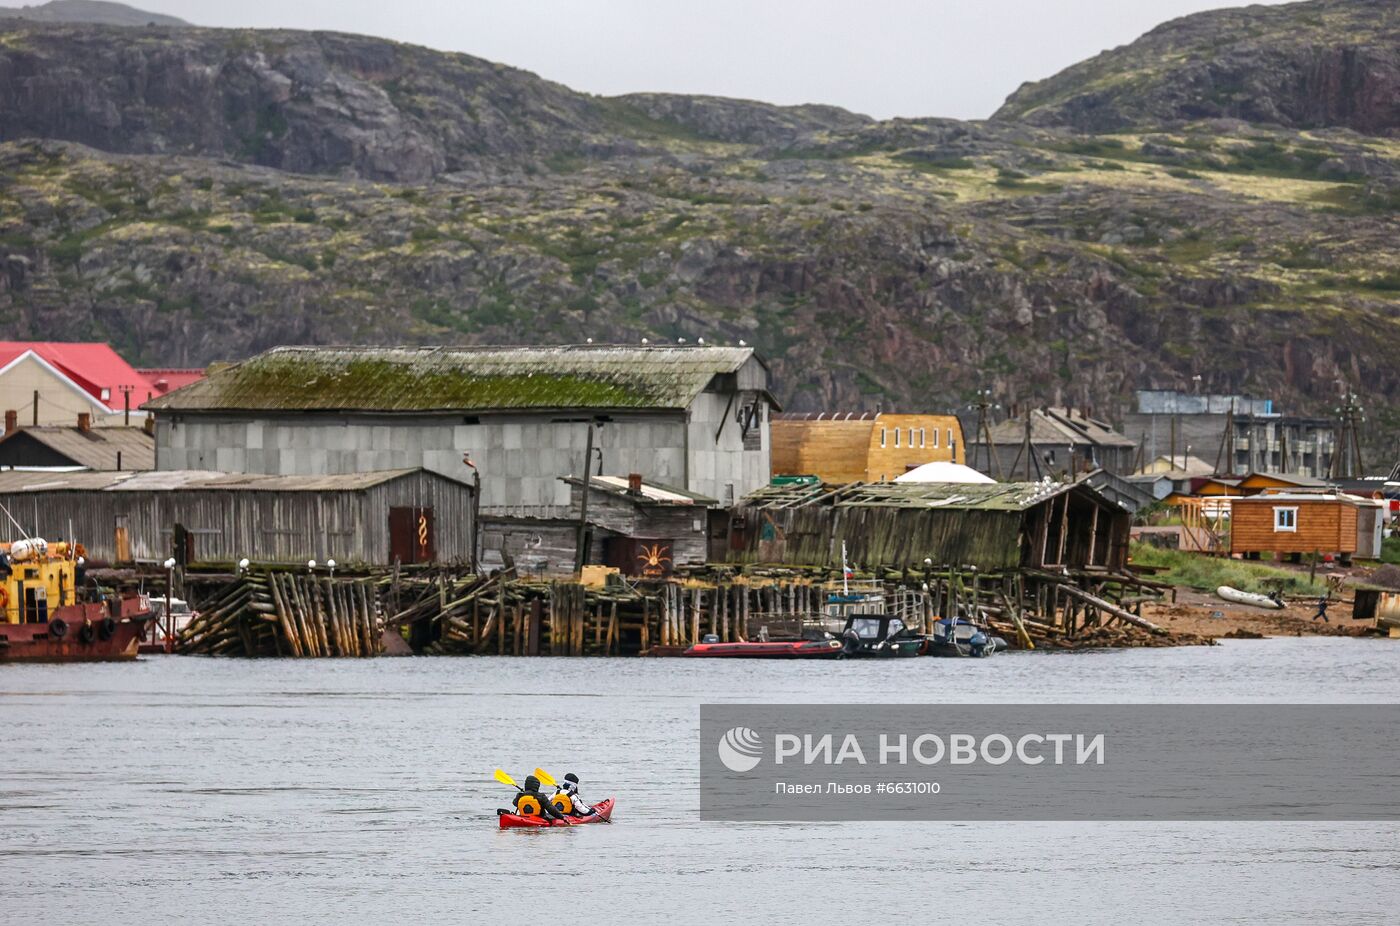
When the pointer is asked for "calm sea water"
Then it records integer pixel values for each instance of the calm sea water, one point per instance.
(211, 791)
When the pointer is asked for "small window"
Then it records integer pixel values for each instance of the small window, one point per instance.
(950, 438)
(923, 436)
(935, 438)
(882, 437)
(1286, 519)
(897, 432)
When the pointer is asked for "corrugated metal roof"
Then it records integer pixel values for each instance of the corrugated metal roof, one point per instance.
(1059, 426)
(95, 448)
(459, 379)
(13, 482)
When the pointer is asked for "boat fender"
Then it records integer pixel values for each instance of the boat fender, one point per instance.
(562, 802)
(86, 632)
(528, 806)
(710, 638)
(106, 628)
(58, 628)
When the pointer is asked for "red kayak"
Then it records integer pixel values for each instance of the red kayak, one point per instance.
(510, 821)
(792, 649)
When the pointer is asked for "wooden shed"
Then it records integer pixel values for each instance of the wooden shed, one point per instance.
(408, 516)
(1293, 524)
(996, 527)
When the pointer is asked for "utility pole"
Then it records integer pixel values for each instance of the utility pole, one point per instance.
(126, 401)
(1346, 456)
(984, 435)
(583, 538)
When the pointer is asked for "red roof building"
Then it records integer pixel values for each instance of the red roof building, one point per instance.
(166, 379)
(53, 382)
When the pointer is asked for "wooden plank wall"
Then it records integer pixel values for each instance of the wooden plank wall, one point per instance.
(1326, 525)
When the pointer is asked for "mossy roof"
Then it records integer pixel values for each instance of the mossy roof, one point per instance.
(998, 496)
(457, 379)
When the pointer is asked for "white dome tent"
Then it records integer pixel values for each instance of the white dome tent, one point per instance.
(945, 472)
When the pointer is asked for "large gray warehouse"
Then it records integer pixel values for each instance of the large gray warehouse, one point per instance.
(408, 516)
(692, 417)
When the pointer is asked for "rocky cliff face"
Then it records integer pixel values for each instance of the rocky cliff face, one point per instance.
(908, 263)
(89, 11)
(1300, 65)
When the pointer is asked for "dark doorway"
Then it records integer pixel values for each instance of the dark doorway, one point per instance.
(411, 535)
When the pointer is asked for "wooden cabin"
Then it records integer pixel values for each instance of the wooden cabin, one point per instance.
(1293, 524)
(862, 447)
(996, 527)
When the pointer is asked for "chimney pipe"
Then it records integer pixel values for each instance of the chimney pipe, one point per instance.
(84, 421)
(11, 421)
(36, 408)
(119, 461)
(634, 483)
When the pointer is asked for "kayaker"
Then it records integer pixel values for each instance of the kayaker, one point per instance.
(566, 798)
(531, 803)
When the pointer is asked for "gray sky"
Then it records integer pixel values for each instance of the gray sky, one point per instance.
(881, 57)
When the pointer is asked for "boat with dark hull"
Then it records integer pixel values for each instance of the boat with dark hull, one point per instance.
(879, 636)
(959, 637)
(48, 616)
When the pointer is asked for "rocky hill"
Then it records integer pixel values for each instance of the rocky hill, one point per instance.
(89, 11)
(1299, 65)
(245, 189)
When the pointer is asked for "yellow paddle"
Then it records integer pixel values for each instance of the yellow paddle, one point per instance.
(505, 779)
(548, 780)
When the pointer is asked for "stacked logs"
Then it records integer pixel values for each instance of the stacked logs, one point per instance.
(275, 613)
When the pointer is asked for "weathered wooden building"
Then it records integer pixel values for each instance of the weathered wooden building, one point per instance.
(407, 516)
(862, 447)
(640, 527)
(1293, 524)
(1061, 441)
(996, 527)
(694, 417)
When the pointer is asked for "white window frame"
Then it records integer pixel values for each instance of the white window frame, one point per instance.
(923, 437)
(950, 438)
(934, 445)
(1292, 526)
(882, 437)
(897, 432)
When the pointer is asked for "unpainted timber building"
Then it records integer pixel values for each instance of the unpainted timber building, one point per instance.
(692, 417)
(403, 516)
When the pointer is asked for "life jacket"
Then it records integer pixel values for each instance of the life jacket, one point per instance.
(563, 802)
(528, 805)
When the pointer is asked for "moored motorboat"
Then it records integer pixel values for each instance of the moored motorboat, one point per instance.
(959, 637)
(879, 636)
(509, 821)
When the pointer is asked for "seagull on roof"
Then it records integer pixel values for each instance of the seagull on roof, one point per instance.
(680, 340)
(743, 343)
(645, 341)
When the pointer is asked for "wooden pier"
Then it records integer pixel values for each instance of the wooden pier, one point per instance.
(268, 611)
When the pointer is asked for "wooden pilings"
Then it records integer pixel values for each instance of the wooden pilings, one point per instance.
(277, 613)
